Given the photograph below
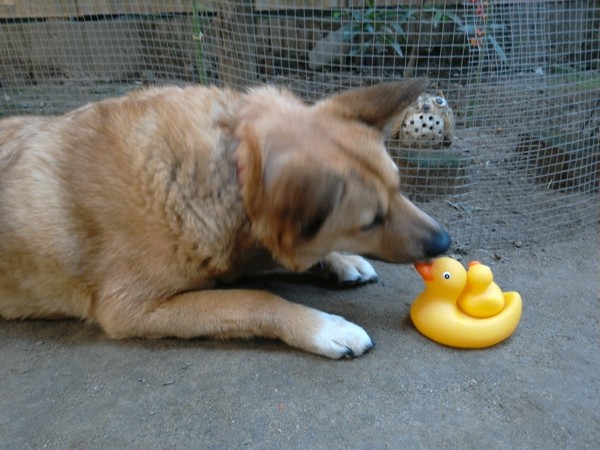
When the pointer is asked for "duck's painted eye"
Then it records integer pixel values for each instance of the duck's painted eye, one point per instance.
(447, 275)
(441, 101)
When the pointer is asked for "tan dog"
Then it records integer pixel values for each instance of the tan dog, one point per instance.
(128, 211)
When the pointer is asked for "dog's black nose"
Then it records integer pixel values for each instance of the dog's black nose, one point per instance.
(437, 244)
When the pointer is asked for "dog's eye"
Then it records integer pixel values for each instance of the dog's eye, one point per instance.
(309, 230)
(379, 219)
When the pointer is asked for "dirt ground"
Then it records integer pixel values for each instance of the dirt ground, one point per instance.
(65, 385)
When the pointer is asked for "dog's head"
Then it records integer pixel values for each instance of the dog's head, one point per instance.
(317, 178)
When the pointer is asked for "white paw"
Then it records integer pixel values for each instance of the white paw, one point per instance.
(338, 338)
(347, 269)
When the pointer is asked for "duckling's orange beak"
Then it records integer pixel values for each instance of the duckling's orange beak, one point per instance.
(425, 269)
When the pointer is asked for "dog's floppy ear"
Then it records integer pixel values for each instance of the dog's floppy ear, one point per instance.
(375, 105)
(303, 196)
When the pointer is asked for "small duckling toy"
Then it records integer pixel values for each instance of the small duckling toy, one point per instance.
(461, 308)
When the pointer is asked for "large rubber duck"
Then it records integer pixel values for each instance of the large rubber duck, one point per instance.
(461, 308)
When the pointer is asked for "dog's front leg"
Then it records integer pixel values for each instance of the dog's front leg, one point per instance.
(345, 269)
(236, 313)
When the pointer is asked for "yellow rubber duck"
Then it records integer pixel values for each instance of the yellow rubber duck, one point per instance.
(481, 297)
(461, 308)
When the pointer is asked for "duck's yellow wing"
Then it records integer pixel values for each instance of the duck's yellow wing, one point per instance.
(446, 324)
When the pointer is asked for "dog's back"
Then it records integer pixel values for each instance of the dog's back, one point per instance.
(31, 240)
(107, 185)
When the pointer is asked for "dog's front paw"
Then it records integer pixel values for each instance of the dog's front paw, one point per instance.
(346, 269)
(338, 338)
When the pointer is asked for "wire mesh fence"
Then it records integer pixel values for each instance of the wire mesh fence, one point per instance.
(520, 82)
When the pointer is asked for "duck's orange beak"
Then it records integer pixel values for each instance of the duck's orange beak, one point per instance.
(425, 269)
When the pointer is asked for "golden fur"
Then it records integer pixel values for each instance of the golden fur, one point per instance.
(127, 212)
